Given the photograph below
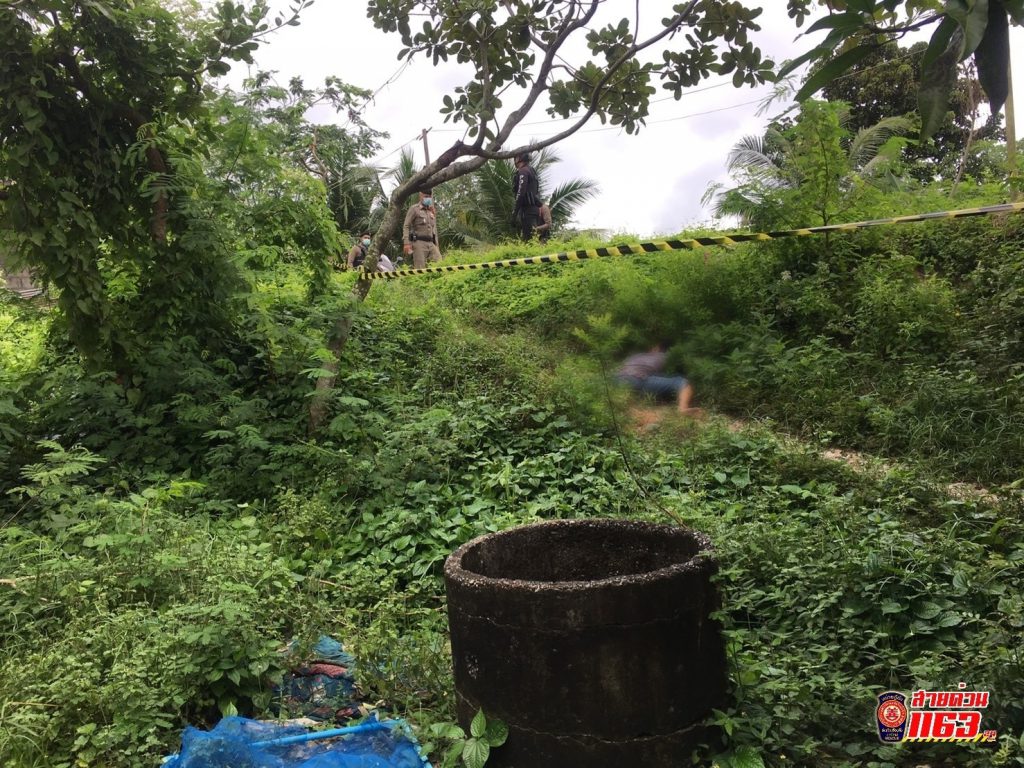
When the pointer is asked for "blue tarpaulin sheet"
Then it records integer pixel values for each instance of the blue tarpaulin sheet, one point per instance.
(236, 742)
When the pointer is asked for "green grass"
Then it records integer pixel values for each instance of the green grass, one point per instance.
(152, 573)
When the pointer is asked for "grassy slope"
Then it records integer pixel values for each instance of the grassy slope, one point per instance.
(465, 408)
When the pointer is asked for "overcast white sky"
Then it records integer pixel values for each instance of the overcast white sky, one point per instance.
(651, 182)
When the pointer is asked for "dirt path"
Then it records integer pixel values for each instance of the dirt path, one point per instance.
(645, 419)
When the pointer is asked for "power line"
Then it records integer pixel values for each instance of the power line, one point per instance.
(655, 101)
(400, 146)
(392, 79)
(398, 73)
(564, 119)
(680, 117)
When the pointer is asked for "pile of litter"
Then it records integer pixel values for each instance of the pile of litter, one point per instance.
(321, 691)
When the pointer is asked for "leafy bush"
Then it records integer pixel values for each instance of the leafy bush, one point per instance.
(171, 531)
(895, 308)
(125, 615)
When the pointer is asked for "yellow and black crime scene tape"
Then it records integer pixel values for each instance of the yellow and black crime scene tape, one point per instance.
(697, 242)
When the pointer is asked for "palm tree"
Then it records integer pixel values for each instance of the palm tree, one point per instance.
(485, 214)
(477, 209)
(758, 163)
(765, 164)
(353, 192)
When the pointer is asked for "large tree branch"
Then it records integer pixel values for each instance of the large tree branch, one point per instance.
(569, 25)
(442, 170)
(322, 168)
(437, 172)
(595, 99)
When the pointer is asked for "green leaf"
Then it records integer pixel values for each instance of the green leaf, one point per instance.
(747, 757)
(497, 733)
(950, 620)
(451, 731)
(451, 757)
(939, 41)
(100, 7)
(849, 20)
(936, 83)
(832, 70)
(475, 753)
(353, 402)
(993, 57)
(796, 490)
(227, 708)
(927, 610)
(975, 25)
(479, 725)
(891, 606)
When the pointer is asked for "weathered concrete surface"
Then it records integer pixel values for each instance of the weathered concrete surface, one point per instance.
(590, 638)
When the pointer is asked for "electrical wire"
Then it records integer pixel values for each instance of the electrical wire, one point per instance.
(654, 101)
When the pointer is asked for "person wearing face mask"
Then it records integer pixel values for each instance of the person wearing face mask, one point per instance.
(419, 232)
(357, 255)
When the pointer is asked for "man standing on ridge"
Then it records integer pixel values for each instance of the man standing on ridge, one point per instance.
(419, 232)
(527, 191)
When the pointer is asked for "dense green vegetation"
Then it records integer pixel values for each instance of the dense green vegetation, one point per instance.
(161, 546)
(172, 518)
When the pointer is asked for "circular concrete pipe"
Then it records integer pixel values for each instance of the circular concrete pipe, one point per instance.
(591, 639)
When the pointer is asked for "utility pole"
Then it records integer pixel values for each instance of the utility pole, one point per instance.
(1011, 132)
(426, 149)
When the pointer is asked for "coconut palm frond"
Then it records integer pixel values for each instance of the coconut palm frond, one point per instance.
(843, 114)
(495, 203)
(542, 163)
(866, 144)
(742, 202)
(568, 196)
(748, 149)
(404, 169)
(756, 155)
(888, 154)
(711, 191)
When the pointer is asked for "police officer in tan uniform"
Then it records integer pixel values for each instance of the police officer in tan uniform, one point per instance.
(419, 232)
(543, 229)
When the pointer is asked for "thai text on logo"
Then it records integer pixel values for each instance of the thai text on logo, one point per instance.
(932, 716)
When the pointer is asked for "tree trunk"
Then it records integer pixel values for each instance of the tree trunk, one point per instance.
(342, 327)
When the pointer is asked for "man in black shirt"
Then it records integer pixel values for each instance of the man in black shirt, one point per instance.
(527, 192)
